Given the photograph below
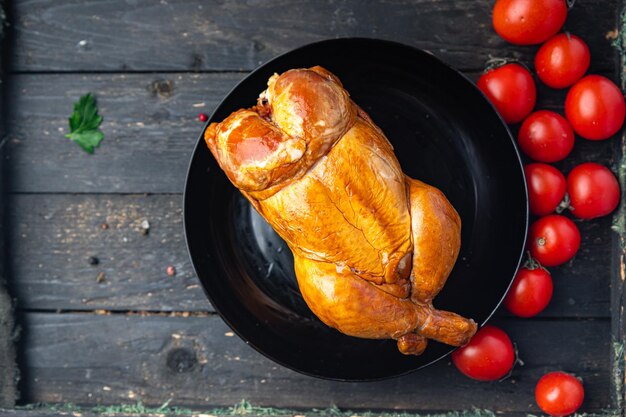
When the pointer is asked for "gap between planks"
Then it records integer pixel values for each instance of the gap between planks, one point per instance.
(106, 312)
(95, 193)
(207, 313)
(165, 71)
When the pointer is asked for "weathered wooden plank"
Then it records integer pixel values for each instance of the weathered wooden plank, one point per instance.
(150, 126)
(8, 366)
(53, 237)
(618, 257)
(194, 361)
(74, 412)
(119, 35)
(235, 411)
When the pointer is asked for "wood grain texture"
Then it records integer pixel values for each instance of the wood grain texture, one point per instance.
(53, 237)
(195, 361)
(618, 291)
(181, 49)
(618, 257)
(8, 335)
(143, 35)
(43, 412)
(261, 412)
(8, 366)
(150, 126)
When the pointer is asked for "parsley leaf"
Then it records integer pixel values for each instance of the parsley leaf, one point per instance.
(88, 140)
(84, 123)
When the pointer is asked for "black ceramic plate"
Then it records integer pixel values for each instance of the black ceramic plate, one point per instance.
(444, 133)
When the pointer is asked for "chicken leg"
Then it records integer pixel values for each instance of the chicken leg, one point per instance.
(354, 306)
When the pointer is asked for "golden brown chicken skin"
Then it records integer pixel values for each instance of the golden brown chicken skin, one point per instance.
(372, 247)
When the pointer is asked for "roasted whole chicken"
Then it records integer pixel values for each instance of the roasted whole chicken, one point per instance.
(372, 247)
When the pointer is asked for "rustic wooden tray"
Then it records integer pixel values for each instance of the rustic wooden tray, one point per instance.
(139, 336)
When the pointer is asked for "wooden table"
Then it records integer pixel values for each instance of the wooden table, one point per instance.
(139, 335)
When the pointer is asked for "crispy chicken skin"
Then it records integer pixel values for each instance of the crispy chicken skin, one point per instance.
(372, 247)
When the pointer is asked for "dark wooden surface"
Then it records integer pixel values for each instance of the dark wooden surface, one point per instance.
(61, 277)
(8, 367)
(197, 361)
(126, 36)
(141, 335)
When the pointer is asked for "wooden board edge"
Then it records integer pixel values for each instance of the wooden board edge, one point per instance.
(618, 275)
(242, 409)
(8, 364)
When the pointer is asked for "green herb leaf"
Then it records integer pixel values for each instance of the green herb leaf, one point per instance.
(88, 140)
(84, 123)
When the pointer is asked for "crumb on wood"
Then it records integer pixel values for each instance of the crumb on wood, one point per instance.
(101, 277)
(611, 35)
(144, 227)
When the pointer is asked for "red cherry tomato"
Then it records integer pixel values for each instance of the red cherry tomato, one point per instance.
(530, 292)
(562, 61)
(511, 89)
(593, 190)
(553, 240)
(559, 393)
(546, 188)
(546, 136)
(528, 22)
(487, 357)
(595, 107)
